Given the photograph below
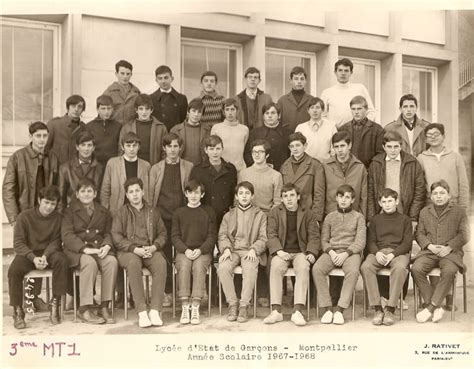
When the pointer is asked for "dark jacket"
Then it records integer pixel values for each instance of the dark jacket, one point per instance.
(309, 238)
(205, 132)
(261, 100)
(419, 139)
(69, 175)
(78, 231)
(293, 113)
(19, 182)
(371, 140)
(106, 139)
(169, 114)
(412, 185)
(219, 186)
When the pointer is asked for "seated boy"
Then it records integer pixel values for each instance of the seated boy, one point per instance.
(194, 236)
(443, 230)
(139, 236)
(233, 134)
(389, 244)
(342, 240)
(85, 231)
(37, 245)
(293, 240)
(242, 240)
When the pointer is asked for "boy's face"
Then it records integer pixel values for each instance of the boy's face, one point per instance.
(434, 137)
(75, 110)
(172, 150)
(388, 204)
(342, 150)
(105, 111)
(315, 111)
(252, 80)
(344, 201)
(86, 195)
(209, 84)
(46, 206)
(244, 196)
(259, 155)
(194, 115)
(440, 196)
(214, 153)
(164, 81)
(359, 112)
(298, 81)
(230, 113)
(297, 149)
(135, 194)
(143, 113)
(39, 139)
(194, 197)
(408, 109)
(343, 73)
(392, 149)
(85, 149)
(130, 149)
(123, 75)
(290, 200)
(271, 117)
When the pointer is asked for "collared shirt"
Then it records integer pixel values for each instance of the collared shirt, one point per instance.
(89, 208)
(359, 124)
(168, 161)
(318, 137)
(82, 161)
(409, 125)
(315, 126)
(166, 91)
(398, 158)
(251, 95)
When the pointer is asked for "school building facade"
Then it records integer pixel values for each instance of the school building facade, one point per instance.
(47, 58)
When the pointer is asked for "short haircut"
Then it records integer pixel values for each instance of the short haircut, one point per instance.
(163, 69)
(251, 70)
(438, 126)
(392, 136)
(341, 136)
(209, 73)
(86, 182)
(261, 142)
(37, 126)
(297, 136)
(314, 101)
(213, 141)
(169, 137)
(230, 102)
(297, 70)
(84, 136)
(105, 100)
(245, 184)
(193, 185)
(388, 192)
(343, 189)
(359, 100)
(50, 193)
(345, 62)
(440, 183)
(290, 187)
(74, 100)
(144, 100)
(130, 137)
(197, 104)
(408, 97)
(123, 63)
(132, 181)
(268, 106)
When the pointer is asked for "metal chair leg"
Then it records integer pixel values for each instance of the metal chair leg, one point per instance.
(173, 280)
(453, 307)
(353, 304)
(125, 294)
(464, 291)
(47, 290)
(255, 300)
(209, 293)
(308, 303)
(147, 289)
(401, 304)
(74, 294)
(364, 297)
(220, 296)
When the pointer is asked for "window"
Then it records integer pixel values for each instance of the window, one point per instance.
(199, 56)
(30, 77)
(278, 65)
(421, 82)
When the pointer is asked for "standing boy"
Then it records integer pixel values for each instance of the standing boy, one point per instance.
(194, 236)
(211, 99)
(170, 105)
(242, 241)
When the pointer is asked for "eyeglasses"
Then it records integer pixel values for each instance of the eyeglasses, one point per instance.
(433, 135)
(258, 152)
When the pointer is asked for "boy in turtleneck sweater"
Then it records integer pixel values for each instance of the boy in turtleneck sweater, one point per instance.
(343, 240)
(242, 241)
(294, 105)
(389, 243)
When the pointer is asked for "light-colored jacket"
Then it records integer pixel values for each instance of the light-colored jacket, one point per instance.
(124, 106)
(419, 139)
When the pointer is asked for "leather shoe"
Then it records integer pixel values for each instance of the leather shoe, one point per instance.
(19, 317)
(89, 317)
(104, 313)
(40, 305)
(54, 316)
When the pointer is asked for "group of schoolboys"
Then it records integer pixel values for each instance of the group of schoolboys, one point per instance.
(172, 191)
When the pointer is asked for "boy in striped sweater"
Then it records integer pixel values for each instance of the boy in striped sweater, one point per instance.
(211, 99)
(343, 241)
